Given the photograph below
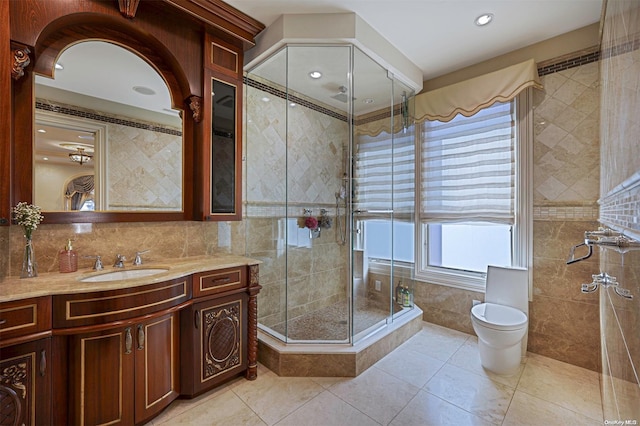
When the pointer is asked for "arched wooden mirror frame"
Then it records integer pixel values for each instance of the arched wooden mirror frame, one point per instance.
(57, 36)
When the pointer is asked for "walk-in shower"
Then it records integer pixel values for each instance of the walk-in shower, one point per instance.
(329, 152)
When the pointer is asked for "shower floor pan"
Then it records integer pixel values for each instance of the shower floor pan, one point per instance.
(335, 359)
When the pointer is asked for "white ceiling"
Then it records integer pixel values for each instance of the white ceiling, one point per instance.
(440, 36)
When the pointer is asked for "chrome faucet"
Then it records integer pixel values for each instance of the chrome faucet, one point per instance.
(97, 266)
(137, 260)
(119, 263)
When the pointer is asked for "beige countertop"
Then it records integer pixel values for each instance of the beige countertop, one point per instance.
(15, 288)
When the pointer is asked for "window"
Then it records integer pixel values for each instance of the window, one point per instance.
(385, 194)
(474, 205)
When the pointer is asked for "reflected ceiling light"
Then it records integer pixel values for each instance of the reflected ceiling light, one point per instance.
(59, 66)
(315, 74)
(144, 90)
(79, 156)
(45, 158)
(42, 131)
(265, 99)
(368, 101)
(484, 19)
(292, 104)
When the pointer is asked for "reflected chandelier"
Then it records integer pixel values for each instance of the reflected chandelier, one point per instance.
(80, 156)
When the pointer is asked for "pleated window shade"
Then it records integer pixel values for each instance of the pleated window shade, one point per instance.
(385, 174)
(468, 167)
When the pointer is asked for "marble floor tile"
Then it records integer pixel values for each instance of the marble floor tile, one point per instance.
(235, 412)
(273, 398)
(376, 393)
(426, 409)
(435, 341)
(569, 386)
(327, 409)
(478, 395)
(468, 358)
(435, 378)
(528, 410)
(411, 366)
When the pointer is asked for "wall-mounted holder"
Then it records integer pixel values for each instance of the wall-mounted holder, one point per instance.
(604, 238)
(605, 280)
(315, 225)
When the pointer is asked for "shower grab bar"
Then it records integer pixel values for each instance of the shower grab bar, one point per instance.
(602, 237)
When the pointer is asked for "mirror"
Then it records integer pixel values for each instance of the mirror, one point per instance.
(106, 137)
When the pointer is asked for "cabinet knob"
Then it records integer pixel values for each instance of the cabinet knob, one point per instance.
(140, 337)
(128, 341)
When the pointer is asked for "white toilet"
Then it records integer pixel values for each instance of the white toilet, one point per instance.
(501, 323)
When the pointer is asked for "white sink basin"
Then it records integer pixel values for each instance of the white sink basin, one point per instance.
(126, 274)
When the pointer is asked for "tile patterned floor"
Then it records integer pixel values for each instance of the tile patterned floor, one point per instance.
(435, 378)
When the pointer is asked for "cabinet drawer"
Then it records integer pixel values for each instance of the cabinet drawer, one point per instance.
(71, 310)
(213, 282)
(22, 317)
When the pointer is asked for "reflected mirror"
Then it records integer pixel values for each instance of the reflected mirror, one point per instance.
(106, 137)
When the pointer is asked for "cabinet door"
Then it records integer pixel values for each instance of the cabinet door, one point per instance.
(25, 384)
(157, 364)
(101, 368)
(218, 338)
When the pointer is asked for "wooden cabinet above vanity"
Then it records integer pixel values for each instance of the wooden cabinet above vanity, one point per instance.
(195, 47)
(119, 352)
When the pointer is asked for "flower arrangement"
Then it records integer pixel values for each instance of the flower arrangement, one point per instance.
(311, 222)
(28, 216)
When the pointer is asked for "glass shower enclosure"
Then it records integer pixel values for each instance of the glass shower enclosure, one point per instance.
(329, 193)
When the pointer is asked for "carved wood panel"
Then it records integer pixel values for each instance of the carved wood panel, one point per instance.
(221, 339)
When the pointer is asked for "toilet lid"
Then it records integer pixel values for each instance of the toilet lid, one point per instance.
(499, 317)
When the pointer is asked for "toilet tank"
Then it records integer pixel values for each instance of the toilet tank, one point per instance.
(508, 286)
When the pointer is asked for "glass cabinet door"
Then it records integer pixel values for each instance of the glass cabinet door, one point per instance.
(223, 147)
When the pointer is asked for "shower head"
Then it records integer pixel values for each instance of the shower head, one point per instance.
(342, 95)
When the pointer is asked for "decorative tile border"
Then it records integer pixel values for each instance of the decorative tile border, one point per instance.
(566, 213)
(620, 210)
(68, 110)
(571, 60)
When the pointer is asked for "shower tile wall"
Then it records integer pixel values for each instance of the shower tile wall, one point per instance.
(563, 322)
(620, 208)
(310, 145)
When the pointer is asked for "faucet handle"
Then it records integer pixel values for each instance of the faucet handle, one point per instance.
(138, 258)
(119, 263)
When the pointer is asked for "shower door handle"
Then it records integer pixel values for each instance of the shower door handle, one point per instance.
(372, 211)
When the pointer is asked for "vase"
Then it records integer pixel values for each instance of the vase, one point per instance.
(29, 265)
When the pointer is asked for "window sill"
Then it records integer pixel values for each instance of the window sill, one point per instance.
(450, 278)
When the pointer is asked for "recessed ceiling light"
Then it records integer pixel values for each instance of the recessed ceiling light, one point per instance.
(315, 74)
(144, 90)
(59, 66)
(484, 19)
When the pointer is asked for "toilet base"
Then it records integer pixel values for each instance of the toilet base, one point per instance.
(504, 361)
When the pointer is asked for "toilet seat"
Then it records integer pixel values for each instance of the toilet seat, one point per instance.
(498, 317)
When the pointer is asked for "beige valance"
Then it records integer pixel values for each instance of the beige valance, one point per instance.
(470, 96)
(374, 128)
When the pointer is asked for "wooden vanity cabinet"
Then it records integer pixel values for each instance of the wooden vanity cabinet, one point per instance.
(214, 330)
(25, 383)
(126, 374)
(25, 362)
(214, 342)
(122, 350)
